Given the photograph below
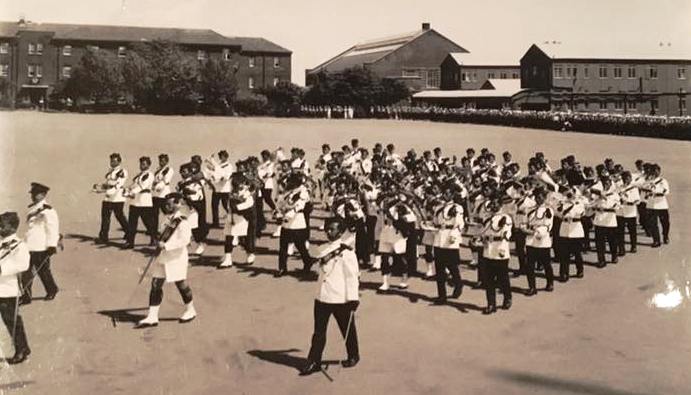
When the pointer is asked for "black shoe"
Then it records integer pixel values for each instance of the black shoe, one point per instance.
(281, 273)
(489, 310)
(24, 300)
(531, 292)
(309, 368)
(101, 240)
(127, 246)
(51, 295)
(478, 285)
(563, 279)
(457, 291)
(507, 304)
(516, 274)
(666, 240)
(579, 274)
(549, 287)
(615, 260)
(633, 250)
(622, 253)
(600, 265)
(656, 244)
(350, 362)
(439, 301)
(19, 357)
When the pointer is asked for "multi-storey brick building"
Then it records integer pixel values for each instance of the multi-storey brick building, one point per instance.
(34, 57)
(558, 78)
(413, 58)
(464, 70)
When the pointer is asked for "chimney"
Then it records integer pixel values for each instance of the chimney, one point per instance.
(426, 26)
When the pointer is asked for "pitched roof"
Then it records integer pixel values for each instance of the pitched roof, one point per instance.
(477, 59)
(491, 88)
(557, 50)
(257, 44)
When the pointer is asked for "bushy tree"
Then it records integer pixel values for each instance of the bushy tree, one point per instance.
(283, 99)
(218, 86)
(97, 77)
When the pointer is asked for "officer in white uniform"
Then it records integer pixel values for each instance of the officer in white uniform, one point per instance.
(628, 212)
(538, 229)
(571, 234)
(657, 206)
(220, 179)
(193, 191)
(114, 200)
(141, 203)
(14, 259)
(337, 294)
(266, 172)
(496, 233)
(161, 188)
(42, 236)
(294, 224)
(448, 219)
(237, 222)
(171, 264)
(606, 205)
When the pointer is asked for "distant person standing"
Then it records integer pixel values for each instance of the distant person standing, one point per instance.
(657, 206)
(114, 200)
(496, 234)
(42, 236)
(220, 179)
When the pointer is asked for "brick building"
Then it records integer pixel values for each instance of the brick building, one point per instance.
(465, 70)
(553, 76)
(34, 57)
(413, 58)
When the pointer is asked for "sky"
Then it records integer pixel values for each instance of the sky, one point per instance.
(317, 30)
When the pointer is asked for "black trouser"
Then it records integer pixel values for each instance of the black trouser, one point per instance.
(555, 237)
(519, 241)
(446, 258)
(147, 216)
(259, 213)
(344, 316)
(112, 207)
(653, 215)
(609, 235)
(14, 323)
(587, 223)
(480, 264)
(39, 262)
(266, 195)
(158, 204)
(643, 216)
(570, 246)
(199, 234)
(411, 254)
(371, 237)
(299, 238)
(308, 214)
(399, 262)
(216, 198)
(538, 256)
(362, 249)
(626, 224)
(496, 274)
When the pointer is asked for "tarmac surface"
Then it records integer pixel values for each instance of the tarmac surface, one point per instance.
(608, 333)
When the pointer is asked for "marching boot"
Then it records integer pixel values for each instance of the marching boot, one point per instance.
(385, 283)
(250, 259)
(404, 281)
(150, 320)
(507, 304)
(350, 362)
(377, 262)
(19, 356)
(227, 262)
(200, 249)
(531, 292)
(189, 314)
(277, 233)
(457, 291)
(310, 367)
(549, 287)
(490, 309)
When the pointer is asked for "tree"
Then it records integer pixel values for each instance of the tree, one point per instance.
(97, 77)
(218, 86)
(160, 78)
(284, 99)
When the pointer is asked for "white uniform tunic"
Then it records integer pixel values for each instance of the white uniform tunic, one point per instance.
(140, 190)
(449, 220)
(162, 179)
(114, 185)
(496, 233)
(630, 197)
(220, 177)
(236, 223)
(391, 240)
(339, 276)
(606, 209)
(266, 172)
(173, 259)
(571, 212)
(539, 222)
(656, 199)
(43, 227)
(15, 260)
(292, 207)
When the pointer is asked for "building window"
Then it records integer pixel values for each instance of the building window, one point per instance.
(490, 76)
(514, 76)
(586, 72)
(474, 76)
(39, 49)
(276, 80)
(277, 62)
(603, 72)
(4, 47)
(558, 72)
(226, 54)
(631, 72)
(503, 76)
(32, 49)
(201, 55)
(681, 73)
(652, 72)
(433, 78)
(34, 70)
(4, 70)
(534, 71)
(465, 77)
(682, 104)
(251, 61)
(571, 72)
(250, 83)
(121, 52)
(603, 105)
(631, 105)
(67, 71)
(618, 105)
(617, 72)
(67, 50)
(94, 48)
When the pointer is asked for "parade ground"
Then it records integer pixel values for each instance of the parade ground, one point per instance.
(607, 333)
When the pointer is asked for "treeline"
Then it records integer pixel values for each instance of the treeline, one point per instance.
(158, 77)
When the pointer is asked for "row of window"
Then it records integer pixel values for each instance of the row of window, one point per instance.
(472, 77)
(250, 82)
(603, 72)
(619, 105)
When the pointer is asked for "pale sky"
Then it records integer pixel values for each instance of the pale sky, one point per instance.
(317, 30)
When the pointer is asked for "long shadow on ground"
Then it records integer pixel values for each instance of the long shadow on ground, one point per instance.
(558, 385)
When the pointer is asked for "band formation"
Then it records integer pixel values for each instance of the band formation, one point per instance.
(387, 212)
